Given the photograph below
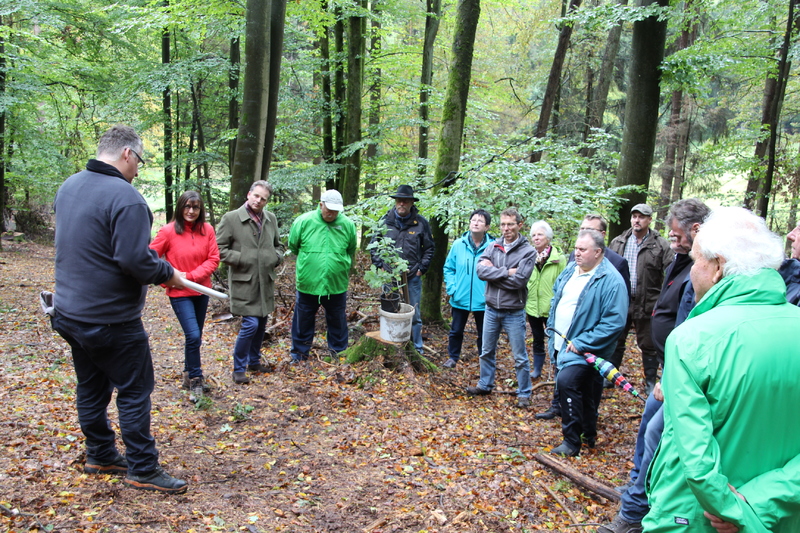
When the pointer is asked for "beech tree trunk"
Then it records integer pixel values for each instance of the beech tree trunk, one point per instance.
(374, 118)
(433, 14)
(166, 107)
(355, 84)
(554, 80)
(641, 112)
(233, 103)
(759, 186)
(249, 155)
(276, 25)
(448, 153)
(339, 96)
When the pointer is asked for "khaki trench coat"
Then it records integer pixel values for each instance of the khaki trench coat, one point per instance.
(251, 261)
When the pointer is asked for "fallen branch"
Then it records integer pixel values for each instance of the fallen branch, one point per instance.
(560, 502)
(578, 478)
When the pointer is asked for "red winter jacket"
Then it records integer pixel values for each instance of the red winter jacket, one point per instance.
(191, 252)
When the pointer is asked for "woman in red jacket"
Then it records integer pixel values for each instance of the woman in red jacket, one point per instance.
(190, 246)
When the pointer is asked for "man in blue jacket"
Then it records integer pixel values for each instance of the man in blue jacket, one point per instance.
(590, 306)
(463, 285)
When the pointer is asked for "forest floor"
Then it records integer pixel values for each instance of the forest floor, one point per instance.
(325, 447)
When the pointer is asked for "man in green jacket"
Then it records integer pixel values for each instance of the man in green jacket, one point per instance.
(249, 243)
(729, 457)
(324, 241)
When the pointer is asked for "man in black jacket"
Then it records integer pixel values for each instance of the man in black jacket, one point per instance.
(411, 234)
(103, 268)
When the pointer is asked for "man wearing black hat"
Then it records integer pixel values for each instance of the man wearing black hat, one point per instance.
(411, 234)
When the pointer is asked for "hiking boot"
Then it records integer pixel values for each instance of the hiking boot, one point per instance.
(185, 382)
(565, 450)
(477, 391)
(450, 363)
(550, 414)
(196, 389)
(157, 480)
(259, 368)
(119, 465)
(523, 403)
(620, 525)
(240, 378)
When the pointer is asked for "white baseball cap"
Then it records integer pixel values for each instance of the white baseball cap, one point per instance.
(332, 200)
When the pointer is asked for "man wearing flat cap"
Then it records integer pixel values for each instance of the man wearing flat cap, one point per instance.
(648, 255)
(324, 241)
(412, 236)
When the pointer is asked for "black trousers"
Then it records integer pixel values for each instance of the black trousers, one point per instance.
(580, 388)
(105, 357)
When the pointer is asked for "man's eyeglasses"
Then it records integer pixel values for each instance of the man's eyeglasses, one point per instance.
(141, 161)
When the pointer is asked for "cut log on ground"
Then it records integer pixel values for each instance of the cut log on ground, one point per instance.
(578, 478)
(395, 354)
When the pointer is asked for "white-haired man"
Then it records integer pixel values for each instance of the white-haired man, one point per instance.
(723, 462)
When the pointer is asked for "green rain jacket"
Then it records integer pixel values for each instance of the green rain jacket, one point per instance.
(540, 286)
(731, 413)
(324, 253)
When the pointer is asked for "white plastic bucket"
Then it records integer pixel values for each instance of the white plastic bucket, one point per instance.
(396, 327)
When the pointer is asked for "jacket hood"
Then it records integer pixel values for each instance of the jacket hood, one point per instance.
(765, 287)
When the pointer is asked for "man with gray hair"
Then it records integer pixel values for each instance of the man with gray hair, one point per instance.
(590, 304)
(723, 463)
(249, 243)
(103, 268)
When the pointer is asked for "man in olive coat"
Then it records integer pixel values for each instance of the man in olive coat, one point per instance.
(249, 243)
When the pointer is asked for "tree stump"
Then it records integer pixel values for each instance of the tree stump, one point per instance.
(394, 354)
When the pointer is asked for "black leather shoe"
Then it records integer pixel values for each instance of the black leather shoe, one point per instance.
(450, 363)
(240, 378)
(550, 414)
(118, 466)
(259, 368)
(157, 480)
(565, 450)
(477, 391)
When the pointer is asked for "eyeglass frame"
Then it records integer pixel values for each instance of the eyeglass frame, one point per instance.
(141, 161)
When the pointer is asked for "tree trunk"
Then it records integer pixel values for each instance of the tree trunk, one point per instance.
(252, 125)
(167, 110)
(374, 118)
(641, 111)
(554, 80)
(339, 95)
(668, 168)
(187, 172)
(448, 152)
(433, 14)
(327, 123)
(355, 84)
(233, 104)
(276, 23)
(599, 97)
(759, 186)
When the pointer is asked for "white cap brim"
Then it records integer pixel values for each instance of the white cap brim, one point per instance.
(334, 207)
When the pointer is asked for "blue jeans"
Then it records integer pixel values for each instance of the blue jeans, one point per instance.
(456, 336)
(415, 295)
(247, 350)
(191, 313)
(305, 317)
(651, 407)
(634, 504)
(513, 322)
(105, 357)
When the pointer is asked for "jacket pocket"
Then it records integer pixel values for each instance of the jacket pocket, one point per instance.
(241, 276)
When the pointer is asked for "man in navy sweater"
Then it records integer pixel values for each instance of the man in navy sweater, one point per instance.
(103, 268)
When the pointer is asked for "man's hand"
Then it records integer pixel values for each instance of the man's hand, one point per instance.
(721, 525)
(571, 348)
(511, 272)
(419, 272)
(486, 263)
(658, 393)
(176, 281)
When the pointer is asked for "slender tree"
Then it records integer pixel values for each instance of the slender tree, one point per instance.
(433, 13)
(166, 99)
(448, 151)
(277, 22)
(355, 84)
(233, 101)
(641, 110)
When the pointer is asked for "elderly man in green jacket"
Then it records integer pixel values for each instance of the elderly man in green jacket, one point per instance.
(249, 243)
(729, 457)
(324, 241)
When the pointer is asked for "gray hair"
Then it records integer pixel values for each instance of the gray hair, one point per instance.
(742, 239)
(545, 227)
(596, 236)
(116, 139)
(261, 183)
(687, 213)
